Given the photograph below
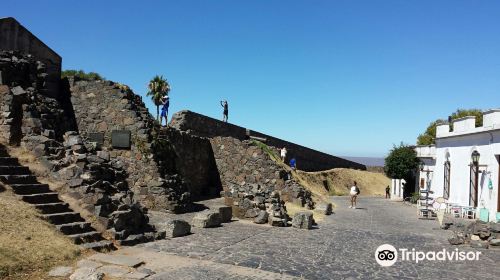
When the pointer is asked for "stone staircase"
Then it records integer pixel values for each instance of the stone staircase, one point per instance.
(51, 208)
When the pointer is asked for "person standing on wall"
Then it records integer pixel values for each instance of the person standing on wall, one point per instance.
(165, 101)
(354, 195)
(293, 164)
(283, 154)
(226, 110)
(387, 192)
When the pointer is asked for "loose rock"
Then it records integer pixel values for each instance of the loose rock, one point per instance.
(207, 219)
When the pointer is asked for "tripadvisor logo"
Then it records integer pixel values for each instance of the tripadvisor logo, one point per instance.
(387, 255)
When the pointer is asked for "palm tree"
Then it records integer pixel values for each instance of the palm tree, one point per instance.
(158, 88)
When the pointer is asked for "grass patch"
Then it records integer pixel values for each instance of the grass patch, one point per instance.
(293, 209)
(28, 245)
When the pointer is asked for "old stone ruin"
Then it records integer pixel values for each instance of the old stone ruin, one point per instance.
(114, 163)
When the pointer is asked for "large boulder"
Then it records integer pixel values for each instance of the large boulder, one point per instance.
(175, 228)
(207, 219)
(303, 220)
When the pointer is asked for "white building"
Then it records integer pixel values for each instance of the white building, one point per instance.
(449, 167)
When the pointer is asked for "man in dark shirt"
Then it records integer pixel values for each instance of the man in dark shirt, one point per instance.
(226, 110)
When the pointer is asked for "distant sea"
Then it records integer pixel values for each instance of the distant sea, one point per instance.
(368, 161)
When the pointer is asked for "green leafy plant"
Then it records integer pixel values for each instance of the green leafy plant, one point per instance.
(81, 75)
(158, 88)
(266, 149)
(415, 196)
(429, 136)
(401, 162)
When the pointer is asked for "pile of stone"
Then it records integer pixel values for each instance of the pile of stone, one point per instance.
(297, 194)
(100, 185)
(477, 234)
(260, 203)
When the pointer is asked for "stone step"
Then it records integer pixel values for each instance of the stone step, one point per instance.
(75, 228)
(104, 245)
(18, 179)
(8, 161)
(30, 188)
(50, 208)
(41, 198)
(63, 218)
(86, 237)
(14, 170)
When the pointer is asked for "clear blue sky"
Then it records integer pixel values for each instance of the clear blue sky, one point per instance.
(346, 77)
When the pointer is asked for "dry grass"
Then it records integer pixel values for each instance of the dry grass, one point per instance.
(29, 246)
(293, 209)
(339, 180)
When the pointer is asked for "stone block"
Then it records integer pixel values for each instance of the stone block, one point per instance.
(303, 220)
(261, 218)
(325, 208)
(120, 139)
(175, 228)
(207, 219)
(479, 244)
(495, 242)
(226, 213)
(117, 260)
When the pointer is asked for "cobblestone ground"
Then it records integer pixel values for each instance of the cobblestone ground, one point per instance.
(342, 247)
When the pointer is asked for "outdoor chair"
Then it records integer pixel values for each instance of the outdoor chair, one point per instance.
(469, 212)
(456, 211)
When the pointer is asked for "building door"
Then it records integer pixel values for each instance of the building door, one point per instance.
(447, 169)
(473, 188)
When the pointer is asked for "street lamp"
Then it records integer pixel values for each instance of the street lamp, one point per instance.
(475, 157)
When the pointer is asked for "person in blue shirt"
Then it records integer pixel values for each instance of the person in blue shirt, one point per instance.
(293, 163)
(165, 101)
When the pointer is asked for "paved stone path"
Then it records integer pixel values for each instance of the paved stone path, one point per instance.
(343, 247)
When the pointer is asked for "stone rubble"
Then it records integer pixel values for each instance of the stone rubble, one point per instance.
(477, 234)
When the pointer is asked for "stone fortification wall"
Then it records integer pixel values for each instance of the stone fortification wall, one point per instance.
(253, 182)
(104, 107)
(307, 159)
(15, 37)
(29, 112)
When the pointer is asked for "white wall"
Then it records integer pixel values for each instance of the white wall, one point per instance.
(460, 149)
(397, 189)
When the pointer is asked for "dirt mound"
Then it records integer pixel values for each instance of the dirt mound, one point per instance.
(339, 180)
(29, 246)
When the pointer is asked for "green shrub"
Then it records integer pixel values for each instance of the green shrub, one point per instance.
(81, 75)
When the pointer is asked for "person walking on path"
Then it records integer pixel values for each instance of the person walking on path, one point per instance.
(165, 101)
(387, 192)
(283, 154)
(354, 195)
(293, 163)
(226, 110)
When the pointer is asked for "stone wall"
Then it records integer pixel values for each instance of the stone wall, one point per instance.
(104, 106)
(29, 110)
(251, 179)
(307, 159)
(15, 37)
